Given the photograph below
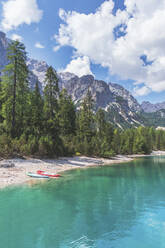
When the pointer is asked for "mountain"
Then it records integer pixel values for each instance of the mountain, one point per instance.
(37, 72)
(155, 119)
(121, 108)
(150, 107)
(3, 47)
(118, 90)
(103, 93)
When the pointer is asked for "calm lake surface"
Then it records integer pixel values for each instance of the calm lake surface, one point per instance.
(120, 206)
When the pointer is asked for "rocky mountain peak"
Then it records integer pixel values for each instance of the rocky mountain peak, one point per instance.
(37, 66)
(120, 91)
(87, 78)
(3, 47)
(66, 76)
(2, 36)
(38, 70)
(150, 107)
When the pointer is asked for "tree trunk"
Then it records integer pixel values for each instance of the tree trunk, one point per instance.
(14, 97)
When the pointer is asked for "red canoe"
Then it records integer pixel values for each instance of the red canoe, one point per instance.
(43, 173)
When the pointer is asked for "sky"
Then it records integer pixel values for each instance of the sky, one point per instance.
(118, 41)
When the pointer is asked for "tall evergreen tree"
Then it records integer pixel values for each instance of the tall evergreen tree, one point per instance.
(51, 141)
(67, 114)
(1, 118)
(15, 88)
(86, 118)
(116, 141)
(85, 125)
(100, 122)
(51, 93)
(37, 111)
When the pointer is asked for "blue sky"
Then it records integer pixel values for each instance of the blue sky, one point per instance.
(113, 40)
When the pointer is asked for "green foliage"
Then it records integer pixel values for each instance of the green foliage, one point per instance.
(5, 146)
(85, 119)
(154, 119)
(15, 90)
(50, 125)
(36, 109)
(67, 114)
(51, 94)
(108, 154)
(48, 147)
(49, 142)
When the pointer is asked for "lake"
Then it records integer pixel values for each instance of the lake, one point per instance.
(120, 206)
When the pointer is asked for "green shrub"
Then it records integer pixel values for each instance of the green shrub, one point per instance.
(78, 154)
(5, 146)
(108, 154)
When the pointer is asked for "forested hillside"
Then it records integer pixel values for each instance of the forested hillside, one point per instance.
(49, 125)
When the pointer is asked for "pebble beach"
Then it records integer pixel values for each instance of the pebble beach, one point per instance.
(18, 174)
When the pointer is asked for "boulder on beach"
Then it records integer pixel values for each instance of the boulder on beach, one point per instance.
(7, 165)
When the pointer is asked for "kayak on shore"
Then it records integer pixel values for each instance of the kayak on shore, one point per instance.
(43, 173)
(30, 174)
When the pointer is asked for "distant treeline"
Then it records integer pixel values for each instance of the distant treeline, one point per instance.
(49, 125)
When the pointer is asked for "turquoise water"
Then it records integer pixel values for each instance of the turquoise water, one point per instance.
(120, 206)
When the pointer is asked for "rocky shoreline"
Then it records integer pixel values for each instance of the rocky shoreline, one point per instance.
(17, 174)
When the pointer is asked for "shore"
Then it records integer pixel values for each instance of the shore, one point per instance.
(17, 175)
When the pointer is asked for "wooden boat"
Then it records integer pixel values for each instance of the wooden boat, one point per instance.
(43, 173)
(30, 174)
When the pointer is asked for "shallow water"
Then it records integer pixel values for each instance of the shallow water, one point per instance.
(120, 206)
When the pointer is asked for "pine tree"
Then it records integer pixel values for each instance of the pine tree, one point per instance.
(127, 141)
(1, 118)
(152, 136)
(85, 125)
(100, 122)
(86, 118)
(51, 94)
(51, 142)
(36, 111)
(116, 141)
(67, 114)
(15, 89)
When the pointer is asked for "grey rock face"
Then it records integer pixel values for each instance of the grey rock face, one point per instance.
(149, 107)
(3, 49)
(119, 104)
(37, 72)
(65, 77)
(38, 68)
(118, 90)
(77, 88)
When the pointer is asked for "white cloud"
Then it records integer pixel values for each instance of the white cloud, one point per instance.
(141, 91)
(56, 48)
(39, 45)
(16, 37)
(17, 12)
(79, 66)
(92, 35)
